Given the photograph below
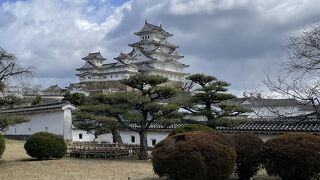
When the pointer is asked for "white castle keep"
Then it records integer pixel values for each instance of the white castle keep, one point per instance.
(152, 55)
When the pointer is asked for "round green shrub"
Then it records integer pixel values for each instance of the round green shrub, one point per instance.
(194, 155)
(44, 145)
(191, 127)
(293, 156)
(2, 145)
(249, 154)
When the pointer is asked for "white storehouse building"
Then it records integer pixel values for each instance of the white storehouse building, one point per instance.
(53, 117)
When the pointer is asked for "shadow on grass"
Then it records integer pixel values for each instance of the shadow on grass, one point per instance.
(32, 159)
(27, 159)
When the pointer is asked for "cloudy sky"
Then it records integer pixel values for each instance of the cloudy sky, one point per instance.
(239, 41)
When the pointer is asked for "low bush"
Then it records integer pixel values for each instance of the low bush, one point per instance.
(191, 127)
(194, 155)
(292, 156)
(2, 145)
(45, 145)
(249, 154)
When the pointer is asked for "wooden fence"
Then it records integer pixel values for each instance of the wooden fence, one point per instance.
(101, 150)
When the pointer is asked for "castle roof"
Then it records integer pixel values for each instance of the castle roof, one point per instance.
(52, 88)
(96, 55)
(123, 56)
(158, 43)
(150, 28)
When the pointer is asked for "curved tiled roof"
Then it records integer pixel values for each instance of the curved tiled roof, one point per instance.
(278, 125)
(149, 28)
(159, 126)
(37, 108)
(158, 43)
(96, 55)
(123, 56)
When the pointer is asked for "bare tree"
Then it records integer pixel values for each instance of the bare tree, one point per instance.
(304, 51)
(305, 91)
(9, 67)
(10, 70)
(299, 79)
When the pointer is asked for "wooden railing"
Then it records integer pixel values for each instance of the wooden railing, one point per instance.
(101, 150)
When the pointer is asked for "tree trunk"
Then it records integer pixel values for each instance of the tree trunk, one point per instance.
(116, 138)
(143, 153)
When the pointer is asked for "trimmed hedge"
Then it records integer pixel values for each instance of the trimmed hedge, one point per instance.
(194, 155)
(191, 127)
(2, 145)
(44, 145)
(293, 156)
(249, 154)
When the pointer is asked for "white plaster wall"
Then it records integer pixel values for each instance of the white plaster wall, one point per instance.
(67, 124)
(53, 120)
(125, 135)
(171, 67)
(85, 135)
(266, 112)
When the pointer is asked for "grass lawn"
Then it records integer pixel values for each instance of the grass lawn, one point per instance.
(16, 164)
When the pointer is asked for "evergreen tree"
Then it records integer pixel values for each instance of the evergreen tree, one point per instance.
(93, 123)
(150, 101)
(210, 98)
(37, 100)
(74, 98)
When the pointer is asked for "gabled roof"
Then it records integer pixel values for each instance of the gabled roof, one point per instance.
(150, 28)
(87, 65)
(143, 52)
(96, 55)
(52, 88)
(123, 56)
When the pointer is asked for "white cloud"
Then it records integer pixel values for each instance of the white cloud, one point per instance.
(236, 40)
(53, 35)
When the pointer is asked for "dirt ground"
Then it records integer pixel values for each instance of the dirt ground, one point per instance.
(16, 164)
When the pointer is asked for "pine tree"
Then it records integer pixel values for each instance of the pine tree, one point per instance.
(210, 98)
(150, 101)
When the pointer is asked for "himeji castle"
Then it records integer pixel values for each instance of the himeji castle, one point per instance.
(153, 54)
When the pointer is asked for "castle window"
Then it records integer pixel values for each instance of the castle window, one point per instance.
(29, 129)
(111, 76)
(153, 142)
(80, 136)
(133, 139)
(148, 37)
